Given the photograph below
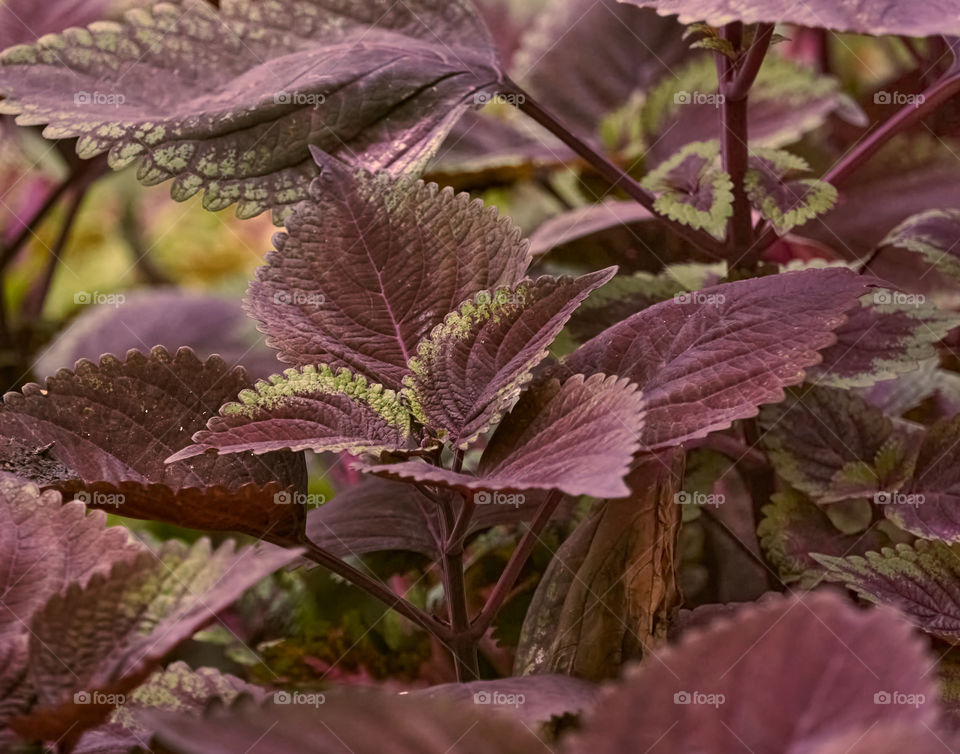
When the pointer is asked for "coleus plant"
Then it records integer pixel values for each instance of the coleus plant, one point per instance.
(591, 397)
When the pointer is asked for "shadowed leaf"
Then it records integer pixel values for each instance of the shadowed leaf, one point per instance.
(934, 234)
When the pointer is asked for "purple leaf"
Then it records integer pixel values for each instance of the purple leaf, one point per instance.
(307, 409)
(361, 721)
(104, 639)
(229, 101)
(23, 21)
(584, 222)
(775, 190)
(473, 365)
(876, 17)
(113, 424)
(372, 264)
(935, 235)
(162, 317)
(922, 581)
(889, 334)
(747, 684)
(707, 358)
(578, 437)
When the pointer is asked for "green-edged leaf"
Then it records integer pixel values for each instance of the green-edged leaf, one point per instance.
(228, 101)
(891, 333)
(91, 645)
(474, 365)
(177, 688)
(372, 264)
(691, 188)
(578, 437)
(782, 198)
(793, 527)
(833, 445)
(922, 581)
(112, 424)
(935, 235)
(310, 408)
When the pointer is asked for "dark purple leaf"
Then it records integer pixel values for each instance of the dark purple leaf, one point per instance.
(934, 234)
(159, 317)
(779, 195)
(474, 365)
(104, 639)
(906, 391)
(372, 264)
(922, 581)
(707, 358)
(889, 334)
(228, 101)
(748, 683)
(310, 408)
(793, 527)
(578, 437)
(585, 221)
(113, 424)
(870, 17)
(23, 21)
(355, 720)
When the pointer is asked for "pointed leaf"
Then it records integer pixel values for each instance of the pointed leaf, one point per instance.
(935, 235)
(779, 196)
(112, 425)
(707, 358)
(922, 581)
(228, 101)
(577, 437)
(307, 409)
(102, 640)
(413, 253)
(876, 17)
(889, 334)
(747, 684)
(692, 189)
(473, 366)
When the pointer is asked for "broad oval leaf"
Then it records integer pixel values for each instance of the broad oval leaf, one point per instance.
(112, 425)
(859, 16)
(108, 636)
(747, 684)
(229, 100)
(306, 409)
(371, 264)
(474, 364)
(935, 235)
(707, 358)
(578, 437)
(922, 581)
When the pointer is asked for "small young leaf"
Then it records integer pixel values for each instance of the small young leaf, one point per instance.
(310, 408)
(707, 358)
(745, 683)
(578, 437)
(371, 264)
(691, 188)
(922, 581)
(781, 198)
(228, 101)
(474, 364)
(935, 235)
